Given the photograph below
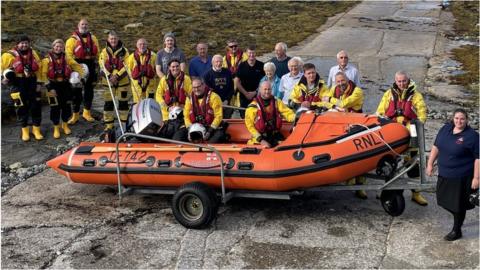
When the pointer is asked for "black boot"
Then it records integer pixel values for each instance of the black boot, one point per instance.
(453, 235)
(456, 232)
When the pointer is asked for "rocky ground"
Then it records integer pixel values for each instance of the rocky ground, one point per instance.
(48, 222)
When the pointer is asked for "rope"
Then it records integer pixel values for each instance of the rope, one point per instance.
(380, 138)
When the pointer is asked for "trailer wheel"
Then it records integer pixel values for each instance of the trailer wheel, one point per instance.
(393, 202)
(194, 205)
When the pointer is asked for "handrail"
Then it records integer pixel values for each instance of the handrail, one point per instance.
(209, 147)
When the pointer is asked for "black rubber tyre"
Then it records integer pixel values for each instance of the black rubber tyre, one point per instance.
(194, 205)
(393, 202)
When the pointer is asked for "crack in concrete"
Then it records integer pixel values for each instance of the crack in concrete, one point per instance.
(387, 239)
(55, 255)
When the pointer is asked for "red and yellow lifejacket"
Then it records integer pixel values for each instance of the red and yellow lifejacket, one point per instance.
(202, 113)
(268, 118)
(348, 92)
(115, 59)
(24, 61)
(84, 50)
(238, 56)
(145, 70)
(57, 67)
(175, 90)
(401, 107)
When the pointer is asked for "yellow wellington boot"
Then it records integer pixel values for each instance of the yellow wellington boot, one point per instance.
(56, 131)
(418, 198)
(66, 129)
(361, 194)
(74, 119)
(87, 116)
(25, 134)
(108, 126)
(36, 133)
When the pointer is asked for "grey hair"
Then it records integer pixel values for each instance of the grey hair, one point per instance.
(283, 45)
(401, 72)
(264, 82)
(217, 56)
(340, 52)
(343, 74)
(112, 33)
(296, 59)
(269, 66)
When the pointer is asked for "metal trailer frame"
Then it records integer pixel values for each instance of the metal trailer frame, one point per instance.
(397, 182)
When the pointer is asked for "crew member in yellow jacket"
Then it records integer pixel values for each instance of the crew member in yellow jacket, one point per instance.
(403, 103)
(57, 68)
(21, 66)
(82, 46)
(308, 92)
(203, 107)
(264, 115)
(141, 67)
(112, 62)
(232, 59)
(344, 96)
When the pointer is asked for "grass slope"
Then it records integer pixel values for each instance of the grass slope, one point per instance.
(254, 22)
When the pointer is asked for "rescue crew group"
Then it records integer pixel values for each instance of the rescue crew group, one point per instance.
(194, 103)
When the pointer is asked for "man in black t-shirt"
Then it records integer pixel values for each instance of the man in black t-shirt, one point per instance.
(248, 77)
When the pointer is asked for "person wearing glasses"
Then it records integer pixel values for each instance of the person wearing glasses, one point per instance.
(344, 67)
(289, 80)
(232, 59)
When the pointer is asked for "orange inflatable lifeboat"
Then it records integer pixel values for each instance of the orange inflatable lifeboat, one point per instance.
(321, 149)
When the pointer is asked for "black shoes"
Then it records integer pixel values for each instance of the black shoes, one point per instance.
(453, 235)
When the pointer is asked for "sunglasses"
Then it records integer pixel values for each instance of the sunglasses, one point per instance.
(233, 46)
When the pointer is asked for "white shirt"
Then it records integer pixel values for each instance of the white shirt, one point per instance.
(287, 83)
(351, 72)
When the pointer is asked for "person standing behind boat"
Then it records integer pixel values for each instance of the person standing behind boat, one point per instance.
(57, 68)
(346, 96)
(289, 80)
(232, 59)
(172, 92)
(270, 75)
(112, 61)
(403, 103)
(25, 65)
(263, 117)
(308, 92)
(141, 66)
(169, 52)
(280, 60)
(456, 148)
(248, 77)
(220, 80)
(203, 107)
(343, 66)
(201, 63)
(83, 47)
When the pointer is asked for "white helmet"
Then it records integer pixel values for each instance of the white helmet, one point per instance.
(196, 132)
(301, 110)
(75, 80)
(9, 74)
(174, 112)
(85, 71)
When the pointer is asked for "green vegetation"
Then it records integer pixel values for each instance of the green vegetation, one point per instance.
(466, 24)
(262, 23)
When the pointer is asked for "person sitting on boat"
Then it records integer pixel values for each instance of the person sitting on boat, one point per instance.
(111, 61)
(403, 103)
(308, 92)
(56, 72)
(172, 91)
(345, 95)
(141, 66)
(263, 117)
(221, 81)
(203, 107)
